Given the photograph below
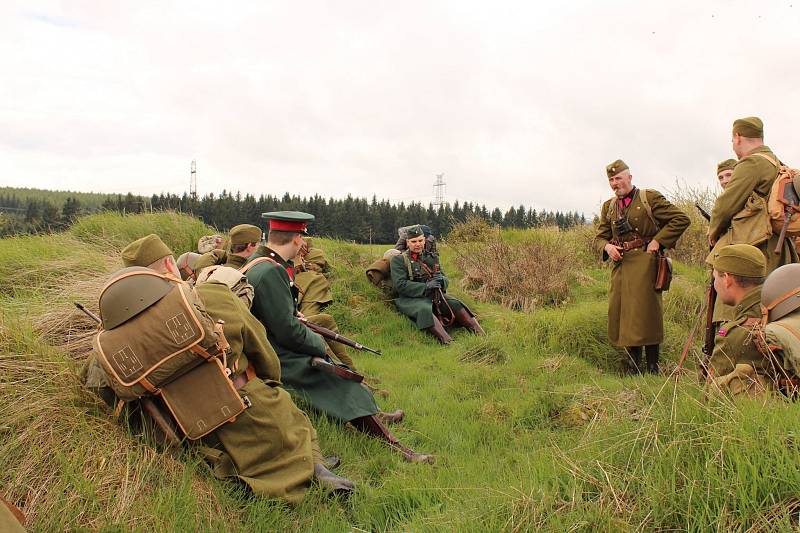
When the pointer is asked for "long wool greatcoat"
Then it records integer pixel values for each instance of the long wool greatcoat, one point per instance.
(272, 445)
(413, 300)
(274, 305)
(635, 313)
(751, 174)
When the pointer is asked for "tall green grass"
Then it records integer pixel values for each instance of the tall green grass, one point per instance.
(532, 428)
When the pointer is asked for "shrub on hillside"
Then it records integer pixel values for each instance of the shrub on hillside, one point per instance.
(522, 275)
(692, 247)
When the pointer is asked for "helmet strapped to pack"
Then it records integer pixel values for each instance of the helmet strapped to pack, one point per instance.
(780, 294)
(156, 338)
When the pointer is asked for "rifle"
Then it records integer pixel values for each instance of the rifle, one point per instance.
(790, 200)
(703, 212)
(327, 366)
(332, 335)
(170, 436)
(438, 295)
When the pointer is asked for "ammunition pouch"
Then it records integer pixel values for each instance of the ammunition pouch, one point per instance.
(663, 273)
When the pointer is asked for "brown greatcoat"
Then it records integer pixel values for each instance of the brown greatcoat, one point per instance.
(752, 175)
(635, 314)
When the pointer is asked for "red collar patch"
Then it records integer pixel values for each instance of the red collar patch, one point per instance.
(722, 332)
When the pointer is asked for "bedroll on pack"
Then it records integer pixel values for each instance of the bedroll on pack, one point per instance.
(379, 274)
(233, 278)
(157, 339)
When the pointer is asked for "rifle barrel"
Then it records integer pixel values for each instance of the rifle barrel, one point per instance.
(88, 313)
(332, 335)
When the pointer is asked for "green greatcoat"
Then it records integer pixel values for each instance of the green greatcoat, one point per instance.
(413, 300)
(275, 306)
(751, 174)
(635, 313)
(733, 343)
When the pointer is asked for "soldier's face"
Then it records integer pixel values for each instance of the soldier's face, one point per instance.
(721, 285)
(621, 183)
(417, 244)
(724, 177)
(736, 143)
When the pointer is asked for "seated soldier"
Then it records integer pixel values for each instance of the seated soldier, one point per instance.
(736, 365)
(271, 446)
(780, 302)
(244, 243)
(270, 271)
(313, 287)
(421, 288)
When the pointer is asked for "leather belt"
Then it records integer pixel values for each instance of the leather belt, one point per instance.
(634, 244)
(240, 380)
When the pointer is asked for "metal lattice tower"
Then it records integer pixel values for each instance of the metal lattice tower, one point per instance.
(439, 191)
(193, 181)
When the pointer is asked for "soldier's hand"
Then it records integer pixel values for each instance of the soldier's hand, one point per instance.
(653, 247)
(614, 252)
(439, 277)
(433, 284)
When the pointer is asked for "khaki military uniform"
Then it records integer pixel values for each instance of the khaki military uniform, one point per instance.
(736, 364)
(314, 289)
(635, 313)
(751, 182)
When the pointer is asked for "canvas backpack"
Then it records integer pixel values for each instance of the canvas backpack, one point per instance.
(233, 278)
(156, 339)
(783, 198)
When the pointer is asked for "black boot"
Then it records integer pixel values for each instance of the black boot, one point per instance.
(466, 320)
(634, 360)
(651, 352)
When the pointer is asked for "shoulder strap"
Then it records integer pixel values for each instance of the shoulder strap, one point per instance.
(257, 261)
(765, 156)
(647, 208)
(407, 261)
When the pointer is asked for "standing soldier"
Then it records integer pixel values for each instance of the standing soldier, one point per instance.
(722, 312)
(739, 215)
(736, 365)
(270, 270)
(635, 226)
(421, 286)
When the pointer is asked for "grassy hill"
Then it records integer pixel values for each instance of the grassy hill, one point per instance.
(532, 427)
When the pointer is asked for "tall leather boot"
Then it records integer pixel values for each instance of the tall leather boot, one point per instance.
(651, 353)
(438, 331)
(634, 360)
(371, 425)
(464, 319)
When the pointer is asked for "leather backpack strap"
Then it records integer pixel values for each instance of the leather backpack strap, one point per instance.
(257, 261)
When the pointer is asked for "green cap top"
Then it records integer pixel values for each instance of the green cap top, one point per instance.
(245, 234)
(612, 169)
(741, 260)
(412, 232)
(293, 221)
(749, 127)
(728, 164)
(145, 251)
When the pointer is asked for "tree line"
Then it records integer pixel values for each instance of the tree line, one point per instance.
(357, 219)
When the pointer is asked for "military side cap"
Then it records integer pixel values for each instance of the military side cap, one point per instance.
(749, 127)
(741, 260)
(293, 221)
(414, 231)
(728, 164)
(245, 234)
(612, 169)
(145, 251)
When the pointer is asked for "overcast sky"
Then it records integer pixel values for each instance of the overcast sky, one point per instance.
(515, 102)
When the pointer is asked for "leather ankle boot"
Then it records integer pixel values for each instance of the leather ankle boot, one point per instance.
(371, 425)
(438, 331)
(651, 353)
(464, 319)
(391, 418)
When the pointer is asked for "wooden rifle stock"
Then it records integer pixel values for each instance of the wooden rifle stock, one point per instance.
(710, 333)
(703, 212)
(787, 217)
(332, 335)
(326, 366)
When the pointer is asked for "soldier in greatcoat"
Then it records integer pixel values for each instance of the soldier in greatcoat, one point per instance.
(635, 226)
(275, 305)
(421, 288)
